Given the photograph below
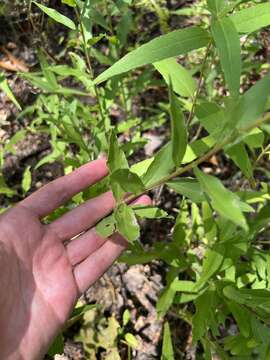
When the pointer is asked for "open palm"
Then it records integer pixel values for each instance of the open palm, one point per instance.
(42, 274)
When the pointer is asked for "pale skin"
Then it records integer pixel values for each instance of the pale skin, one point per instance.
(41, 276)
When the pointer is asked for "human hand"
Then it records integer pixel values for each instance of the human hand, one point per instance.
(41, 278)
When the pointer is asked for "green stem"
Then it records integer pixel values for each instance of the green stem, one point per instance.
(122, 88)
(201, 159)
(29, 10)
(200, 83)
(89, 65)
(264, 151)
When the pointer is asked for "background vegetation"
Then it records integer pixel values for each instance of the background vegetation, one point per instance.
(184, 117)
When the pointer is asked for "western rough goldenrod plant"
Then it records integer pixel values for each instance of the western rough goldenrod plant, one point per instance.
(217, 256)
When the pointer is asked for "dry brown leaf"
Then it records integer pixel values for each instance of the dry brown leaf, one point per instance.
(12, 63)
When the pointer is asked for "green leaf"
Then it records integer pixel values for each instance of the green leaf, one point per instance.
(182, 81)
(241, 316)
(48, 74)
(211, 116)
(27, 179)
(4, 189)
(129, 181)
(127, 224)
(254, 139)
(249, 297)
(141, 167)
(167, 346)
(228, 45)
(173, 44)
(116, 157)
(185, 286)
(251, 104)
(178, 128)
(239, 155)
(167, 296)
(131, 340)
(126, 317)
(71, 3)
(223, 201)
(57, 346)
(189, 188)
(161, 166)
(216, 6)
(149, 212)
(106, 227)
(55, 15)
(116, 160)
(4, 86)
(211, 263)
(252, 18)
(17, 137)
(198, 147)
(204, 316)
(124, 27)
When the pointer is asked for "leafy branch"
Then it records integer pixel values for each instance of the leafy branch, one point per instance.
(201, 159)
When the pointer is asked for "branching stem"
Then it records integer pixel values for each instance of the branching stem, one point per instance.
(200, 83)
(201, 159)
(88, 62)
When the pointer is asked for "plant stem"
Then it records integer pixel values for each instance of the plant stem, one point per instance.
(122, 88)
(29, 11)
(200, 83)
(201, 159)
(88, 62)
(264, 151)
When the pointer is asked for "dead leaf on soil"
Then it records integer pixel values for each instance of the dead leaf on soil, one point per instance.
(11, 63)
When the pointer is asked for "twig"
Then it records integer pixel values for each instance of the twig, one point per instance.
(200, 83)
(89, 66)
(264, 151)
(201, 159)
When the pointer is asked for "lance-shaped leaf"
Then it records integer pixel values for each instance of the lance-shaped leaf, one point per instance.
(216, 6)
(149, 212)
(228, 45)
(126, 222)
(226, 203)
(130, 182)
(252, 18)
(172, 44)
(239, 155)
(211, 263)
(161, 166)
(4, 86)
(211, 116)
(182, 81)
(249, 297)
(178, 128)
(106, 227)
(167, 296)
(205, 313)
(189, 188)
(252, 104)
(241, 316)
(27, 179)
(56, 16)
(116, 158)
(167, 346)
(71, 3)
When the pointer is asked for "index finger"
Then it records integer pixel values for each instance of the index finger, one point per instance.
(59, 191)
